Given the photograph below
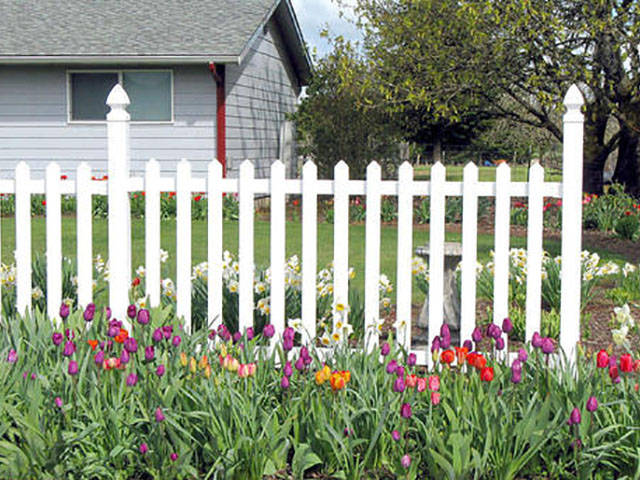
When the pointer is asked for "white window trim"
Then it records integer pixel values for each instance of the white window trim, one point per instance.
(120, 72)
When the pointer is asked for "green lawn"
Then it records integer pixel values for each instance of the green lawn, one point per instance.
(485, 174)
(230, 229)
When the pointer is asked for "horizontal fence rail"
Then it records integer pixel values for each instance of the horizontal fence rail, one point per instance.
(119, 185)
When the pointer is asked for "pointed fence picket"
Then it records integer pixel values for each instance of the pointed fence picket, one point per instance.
(405, 189)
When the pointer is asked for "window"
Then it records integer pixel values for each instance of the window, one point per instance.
(150, 93)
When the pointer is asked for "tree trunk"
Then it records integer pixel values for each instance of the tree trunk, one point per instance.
(595, 150)
(437, 149)
(626, 172)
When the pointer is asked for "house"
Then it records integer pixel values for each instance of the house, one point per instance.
(206, 78)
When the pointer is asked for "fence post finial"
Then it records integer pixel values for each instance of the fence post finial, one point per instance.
(118, 100)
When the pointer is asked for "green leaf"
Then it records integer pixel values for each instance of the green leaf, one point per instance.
(304, 459)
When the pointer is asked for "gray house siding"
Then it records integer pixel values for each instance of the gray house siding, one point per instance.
(260, 92)
(34, 125)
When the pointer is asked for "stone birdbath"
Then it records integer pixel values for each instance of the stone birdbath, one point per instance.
(452, 257)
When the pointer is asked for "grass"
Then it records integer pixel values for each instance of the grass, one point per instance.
(389, 237)
(519, 173)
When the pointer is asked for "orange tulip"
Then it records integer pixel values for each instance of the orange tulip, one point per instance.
(461, 353)
(447, 357)
(93, 343)
(337, 382)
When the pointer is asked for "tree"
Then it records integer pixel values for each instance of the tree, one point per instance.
(511, 59)
(334, 126)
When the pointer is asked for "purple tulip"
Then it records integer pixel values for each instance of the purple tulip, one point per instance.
(405, 410)
(64, 311)
(25, 375)
(69, 334)
(223, 333)
(58, 402)
(592, 404)
(268, 331)
(144, 448)
(476, 335)
(400, 371)
(385, 349)
(304, 353)
(613, 361)
(159, 415)
(284, 383)
(289, 333)
(445, 341)
(132, 379)
(176, 340)
(143, 316)
(131, 311)
(522, 355)
(507, 326)
(130, 345)
(73, 367)
(287, 370)
(547, 345)
(237, 337)
(391, 366)
(395, 435)
(516, 371)
(435, 345)
(499, 343)
(89, 312)
(398, 385)
(250, 333)
(444, 330)
(149, 353)
(468, 345)
(173, 457)
(98, 358)
(411, 360)
(69, 348)
(107, 313)
(406, 461)
(157, 335)
(536, 340)
(299, 364)
(160, 370)
(12, 357)
(494, 331)
(516, 366)
(575, 418)
(212, 335)
(124, 357)
(33, 376)
(347, 431)
(167, 331)
(57, 338)
(287, 344)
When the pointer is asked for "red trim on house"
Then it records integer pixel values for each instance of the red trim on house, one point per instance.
(218, 72)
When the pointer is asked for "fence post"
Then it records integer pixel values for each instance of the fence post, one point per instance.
(572, 140)
(118, 201)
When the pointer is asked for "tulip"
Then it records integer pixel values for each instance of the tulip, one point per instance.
(395, 434)
(507, 326)
(284, 383)
(494, 331)
(398, 385)
(159, 415)
(468, 345)
(289, 333)
(58, 402)
(391, 366)
(434, 383)
(299, 364)
(287, 370)
(157, 336)
(167, 331)
(69, 349)
(575, 418)
(107, 313)
(626, 363)
(516, 366)
(132, 379)
(445, 342)
(436, 344)
(422, 384)
(268, 331)
(614, 373)
(176, 340)
(411, 381)
(477, 336)
(536, 340)
(160, 370)
(57, 338)
(149, 353)
(486, 374)
(400, 371)
(131, 345)
(212, 335)
(173, 457)
(89, 312)
(411, 360)
(592, 404)
(448, 356)
(522, 355)
(287, 344)
(499, 343)
(435, 398)
(237, 337)
(406, 461)
(405, 410)
(547, 345)
(144, 448)
(444, 330)
(73, 367)
(113, 331)
(516, 377)
(98, 358)
(64, 311)
(613, 361)
(131, 311)
(143, 316)
(385, 349)
(69, 334)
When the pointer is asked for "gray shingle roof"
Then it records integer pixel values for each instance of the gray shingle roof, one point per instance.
(112, 28)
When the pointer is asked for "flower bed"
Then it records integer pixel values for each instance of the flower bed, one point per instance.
(93, 399)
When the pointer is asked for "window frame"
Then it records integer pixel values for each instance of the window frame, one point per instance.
(120, 72)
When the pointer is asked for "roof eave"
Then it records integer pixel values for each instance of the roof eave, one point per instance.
(117, 59)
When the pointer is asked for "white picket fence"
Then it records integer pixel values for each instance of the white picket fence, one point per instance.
(309, 187)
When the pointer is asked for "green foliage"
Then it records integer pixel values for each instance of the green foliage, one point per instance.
(627, 227)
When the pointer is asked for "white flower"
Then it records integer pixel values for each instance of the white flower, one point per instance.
(620, 335)
(296, 324)
(37, 293)
(260, 287)
(140, 271)
(233, 286)
(628, 268)
(164, 255)
(141, 303)
(325, 340)
(400, 324)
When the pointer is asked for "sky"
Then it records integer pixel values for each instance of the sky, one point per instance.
(315, 15)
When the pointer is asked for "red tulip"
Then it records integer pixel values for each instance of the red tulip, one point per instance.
(448, 356)
(602, 359)
(486, 374)
(626, 363)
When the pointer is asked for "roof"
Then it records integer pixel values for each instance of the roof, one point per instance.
(167, 31)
